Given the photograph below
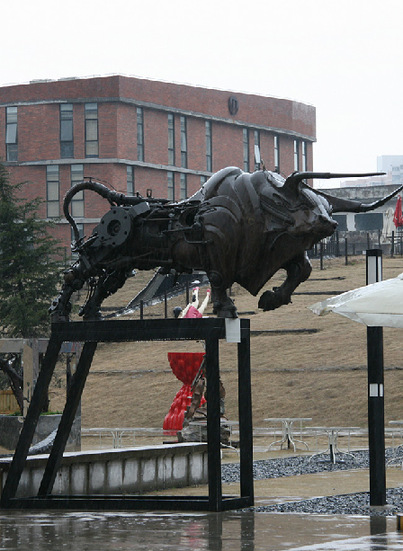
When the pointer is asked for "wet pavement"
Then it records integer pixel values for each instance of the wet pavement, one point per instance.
(230, 531)
(246, 530)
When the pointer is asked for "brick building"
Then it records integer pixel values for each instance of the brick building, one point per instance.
(140, 136)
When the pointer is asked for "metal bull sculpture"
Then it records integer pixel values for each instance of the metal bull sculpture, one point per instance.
(239, 227)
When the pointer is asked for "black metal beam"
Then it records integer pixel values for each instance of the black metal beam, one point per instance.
(208, 329)
(126, 503)
(66, 422)
(140, 330)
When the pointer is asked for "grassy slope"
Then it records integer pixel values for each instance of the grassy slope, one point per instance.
(320, 375)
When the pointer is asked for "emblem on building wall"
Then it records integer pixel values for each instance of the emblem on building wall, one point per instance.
(233, 105)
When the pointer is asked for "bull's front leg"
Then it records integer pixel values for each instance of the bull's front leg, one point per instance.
(106, 285)
(298, 270)
(61, 306)
(223, 306)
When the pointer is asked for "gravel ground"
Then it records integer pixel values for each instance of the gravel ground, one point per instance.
(351, 504)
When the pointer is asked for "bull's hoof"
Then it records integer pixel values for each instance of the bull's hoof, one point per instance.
(270, 300)
(225, 310)
(90, 312)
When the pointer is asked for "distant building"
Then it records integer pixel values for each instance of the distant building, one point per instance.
(378, 222)
(391, 165)
(397, 174)
(385, 163)
(140, 136)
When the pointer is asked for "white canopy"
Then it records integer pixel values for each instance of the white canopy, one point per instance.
(377, 305)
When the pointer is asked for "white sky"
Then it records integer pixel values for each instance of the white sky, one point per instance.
(342, 56)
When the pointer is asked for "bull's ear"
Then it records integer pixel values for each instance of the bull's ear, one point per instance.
(291, 183)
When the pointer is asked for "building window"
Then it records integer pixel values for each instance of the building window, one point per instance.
(66, 131)
(140, 134)
(184, 143)
(11, 134)
(276, 154)
(171, 186)
(91, 130)
(245, 139)
(256, 137)
(77, 203)
(130, 180)
(203, 180)
(52, 191)
(209, 147)
(183, 187)
(304, 157)
(296, 155)
(171, 139)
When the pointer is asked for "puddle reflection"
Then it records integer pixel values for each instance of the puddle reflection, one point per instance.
(244, 531)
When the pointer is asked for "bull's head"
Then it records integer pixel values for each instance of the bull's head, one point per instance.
(308, 210)
(304, 213)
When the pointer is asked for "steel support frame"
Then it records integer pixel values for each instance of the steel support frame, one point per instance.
(211, 330)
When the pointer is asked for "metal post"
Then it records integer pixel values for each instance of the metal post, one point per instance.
(213, 424)
(346, 251)
(245, 416)
(376, 411)
(321, 255)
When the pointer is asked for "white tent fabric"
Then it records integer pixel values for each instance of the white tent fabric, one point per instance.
(376, 305)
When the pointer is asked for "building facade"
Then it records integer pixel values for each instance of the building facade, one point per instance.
(140, 136)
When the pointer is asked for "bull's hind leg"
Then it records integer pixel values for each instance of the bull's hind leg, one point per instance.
(298, 270)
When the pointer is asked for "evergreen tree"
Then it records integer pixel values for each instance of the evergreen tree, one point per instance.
(29, 268)
(29, 274)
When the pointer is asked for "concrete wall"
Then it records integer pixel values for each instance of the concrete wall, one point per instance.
(135, 470)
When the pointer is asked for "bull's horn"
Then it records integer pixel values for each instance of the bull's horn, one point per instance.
(347, 205)
(295, 178)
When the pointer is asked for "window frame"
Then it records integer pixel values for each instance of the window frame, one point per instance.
(52, 191)
(184, 141)
(276, 150)
(171, 185)
(171, 139)
(246, 153)
(140, 133)
(209, 145)
(11, 133)
(91, 129)
(77, 202)
(130, 183)
(183, 186)
(66, 127)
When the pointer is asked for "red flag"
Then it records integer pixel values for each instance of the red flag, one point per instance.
(398, 216)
